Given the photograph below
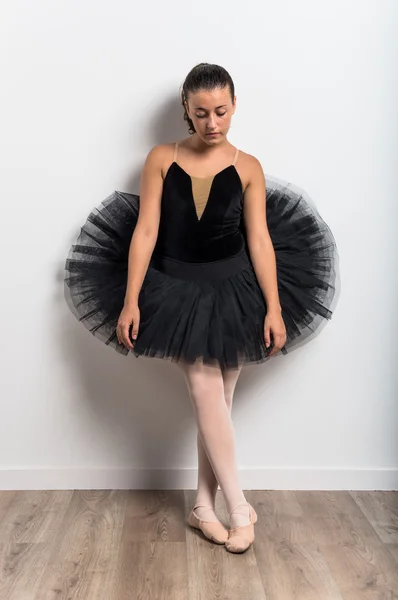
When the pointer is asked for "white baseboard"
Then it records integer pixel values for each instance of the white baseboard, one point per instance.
(292, 478)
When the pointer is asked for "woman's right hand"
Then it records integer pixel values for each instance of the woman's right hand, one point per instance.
(130, 315)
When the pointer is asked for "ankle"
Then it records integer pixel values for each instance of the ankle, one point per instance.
(240, 515)
(205, 513)
(239, 506)
(206, 500)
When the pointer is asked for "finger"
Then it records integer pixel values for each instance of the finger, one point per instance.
(125, 337)
(275, 348)
(134, 331)
(279, 342)
(267, 336)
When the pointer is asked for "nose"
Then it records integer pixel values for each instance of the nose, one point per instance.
(211, 123)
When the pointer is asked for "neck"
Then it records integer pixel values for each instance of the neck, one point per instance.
(202, 148)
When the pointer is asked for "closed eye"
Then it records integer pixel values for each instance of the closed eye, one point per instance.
(219, 115)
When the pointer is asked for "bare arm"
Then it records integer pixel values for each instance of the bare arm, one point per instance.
(260, 245)
(146, 230)
(262, 255)
(142, 245)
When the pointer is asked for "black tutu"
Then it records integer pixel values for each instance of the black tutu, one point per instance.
(213, 311)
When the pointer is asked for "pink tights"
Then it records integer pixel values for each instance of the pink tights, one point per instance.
(211, 391)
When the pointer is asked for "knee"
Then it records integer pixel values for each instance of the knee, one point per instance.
(204, 393)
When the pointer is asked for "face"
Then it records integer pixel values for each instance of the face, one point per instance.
(211, 112)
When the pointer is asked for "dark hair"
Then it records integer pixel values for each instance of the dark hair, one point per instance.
(204, 76)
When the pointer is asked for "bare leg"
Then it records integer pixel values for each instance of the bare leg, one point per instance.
(211, 391)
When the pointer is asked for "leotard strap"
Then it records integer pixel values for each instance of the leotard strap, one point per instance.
(236, 156)
(176, 151)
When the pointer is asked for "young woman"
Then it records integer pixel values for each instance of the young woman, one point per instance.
(207, 268)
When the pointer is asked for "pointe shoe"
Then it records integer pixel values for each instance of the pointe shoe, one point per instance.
(240, 538)
(213, 530)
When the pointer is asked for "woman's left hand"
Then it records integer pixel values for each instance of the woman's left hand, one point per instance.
(274, 324)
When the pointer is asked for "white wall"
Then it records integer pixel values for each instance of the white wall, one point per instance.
(87, 89)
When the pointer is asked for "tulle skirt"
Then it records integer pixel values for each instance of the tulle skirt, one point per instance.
(209, 311)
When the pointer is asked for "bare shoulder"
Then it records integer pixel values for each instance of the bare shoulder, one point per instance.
(160, 157)
(249, 168)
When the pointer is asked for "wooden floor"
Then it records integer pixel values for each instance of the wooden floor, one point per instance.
(119, 545)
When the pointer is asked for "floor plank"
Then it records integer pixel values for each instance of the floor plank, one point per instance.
(361, 565)
(124, 544)
(381, 510)
(85, 552)
(290, 563)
